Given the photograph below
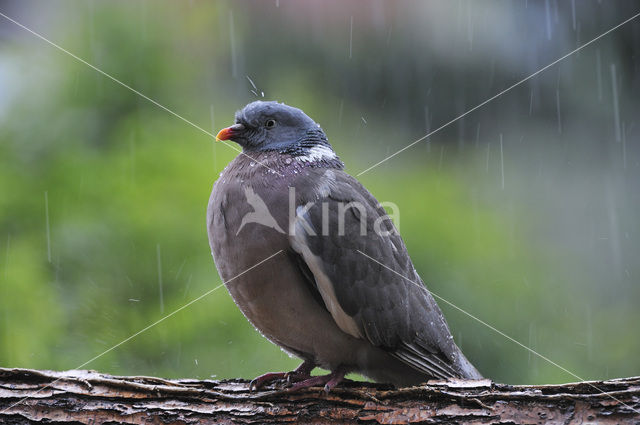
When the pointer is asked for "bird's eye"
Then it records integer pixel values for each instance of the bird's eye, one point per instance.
(270, 123)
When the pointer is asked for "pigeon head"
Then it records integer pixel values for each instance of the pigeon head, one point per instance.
(273, 126)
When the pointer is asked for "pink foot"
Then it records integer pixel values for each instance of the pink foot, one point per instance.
(261, 380)
(329, 381)
(301, 373)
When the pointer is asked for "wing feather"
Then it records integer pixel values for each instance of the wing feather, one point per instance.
(366, 299)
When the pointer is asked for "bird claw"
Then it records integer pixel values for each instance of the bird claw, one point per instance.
(296, 376)
(301, 373)
(328, 381)
(288, 376)
(262, 380)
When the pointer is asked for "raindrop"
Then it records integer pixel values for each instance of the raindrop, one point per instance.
(232, 41)
(252, 83)
(470, 26)
(427, 120)
(363, 120)
(573, 13)
(350, 36)
(427, 123)
(187, 286)
(532, 341)
(501, 162)
(46, 210)
(132, 156)
(558, 111)
(488, 154)
(180, 269)
(616, 106)
(531, 102)
(159, 260)
(461, 127)
(589, 334)
(624, 146)
(6, 257)
(614, 229)
(547, 11)
(599, 74)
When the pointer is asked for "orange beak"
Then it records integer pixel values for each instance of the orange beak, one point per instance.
(229, 132)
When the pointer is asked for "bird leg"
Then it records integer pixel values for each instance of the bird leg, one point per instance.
(300, 373)
(329, 381)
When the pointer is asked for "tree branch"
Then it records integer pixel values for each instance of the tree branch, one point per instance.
(91, 397)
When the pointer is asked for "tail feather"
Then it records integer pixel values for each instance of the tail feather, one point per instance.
(468, 371)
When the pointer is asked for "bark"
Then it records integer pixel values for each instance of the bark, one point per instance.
(80, 396)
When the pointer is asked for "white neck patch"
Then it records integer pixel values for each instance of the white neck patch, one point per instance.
(318, 153)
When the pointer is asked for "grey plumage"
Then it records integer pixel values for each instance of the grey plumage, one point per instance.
(321, 299)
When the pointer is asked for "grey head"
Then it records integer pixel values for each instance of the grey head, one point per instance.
(273, 126)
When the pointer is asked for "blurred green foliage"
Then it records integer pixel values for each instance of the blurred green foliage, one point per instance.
(127, 184)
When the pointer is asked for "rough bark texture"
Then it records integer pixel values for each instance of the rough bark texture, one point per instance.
(78, 396)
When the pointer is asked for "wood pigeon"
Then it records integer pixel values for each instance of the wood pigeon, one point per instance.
(342, 294)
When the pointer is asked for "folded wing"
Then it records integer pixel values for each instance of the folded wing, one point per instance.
(387, 305)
